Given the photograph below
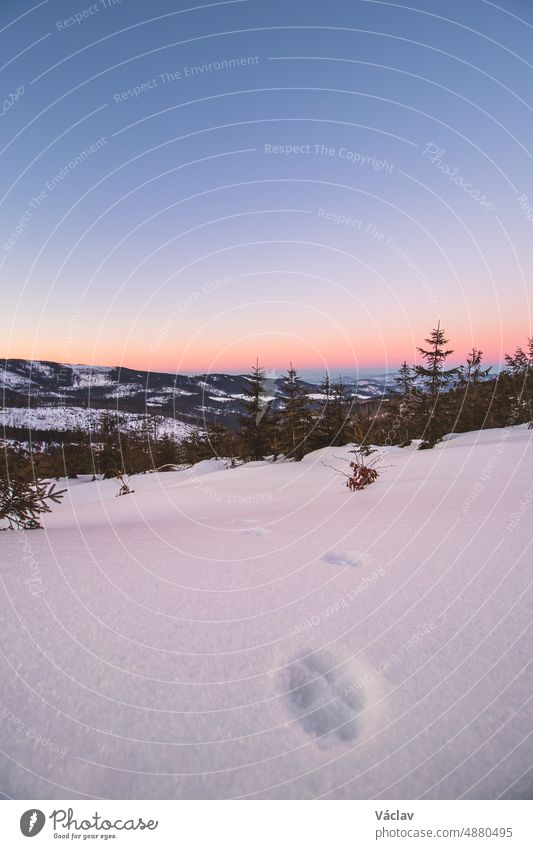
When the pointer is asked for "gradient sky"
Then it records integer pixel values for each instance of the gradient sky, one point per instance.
(181, 241)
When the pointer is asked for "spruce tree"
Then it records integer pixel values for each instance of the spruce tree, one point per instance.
(324, 429)
(294, 417)
(137, 446)
(473, 373)
(165, 452)
(340, 411)
(436, 379)
(406, 409)
(194, 448)
(405, 381)
(519, 368)
(110, 456)
(22, 501)
(221, 440)
(76, 454)
(471, 412)
(255, 433)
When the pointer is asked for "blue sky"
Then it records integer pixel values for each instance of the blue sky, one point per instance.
(187, 186)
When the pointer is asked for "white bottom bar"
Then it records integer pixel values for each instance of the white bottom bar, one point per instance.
(269, 825)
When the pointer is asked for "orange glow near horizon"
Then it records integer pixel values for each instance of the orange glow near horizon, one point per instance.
(340, 340)
(274, 351)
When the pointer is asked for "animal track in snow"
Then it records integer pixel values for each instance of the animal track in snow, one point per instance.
(325, 697)
(345, 558)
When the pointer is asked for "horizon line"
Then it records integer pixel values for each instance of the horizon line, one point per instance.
(197, 371)
(339, 371)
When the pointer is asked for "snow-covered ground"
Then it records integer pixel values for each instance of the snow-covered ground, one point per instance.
(263, 632)
(62, 417)
(90, 375)
(10, 380)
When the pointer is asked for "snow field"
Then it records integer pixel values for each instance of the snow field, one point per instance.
(263, 632)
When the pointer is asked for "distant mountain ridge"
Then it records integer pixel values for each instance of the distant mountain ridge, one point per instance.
(47, 395)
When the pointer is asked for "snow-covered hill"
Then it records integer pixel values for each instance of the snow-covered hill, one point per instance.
(263, 632)
(58, 387)
(62, 418)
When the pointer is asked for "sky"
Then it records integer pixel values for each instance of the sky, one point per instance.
(187, 186)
